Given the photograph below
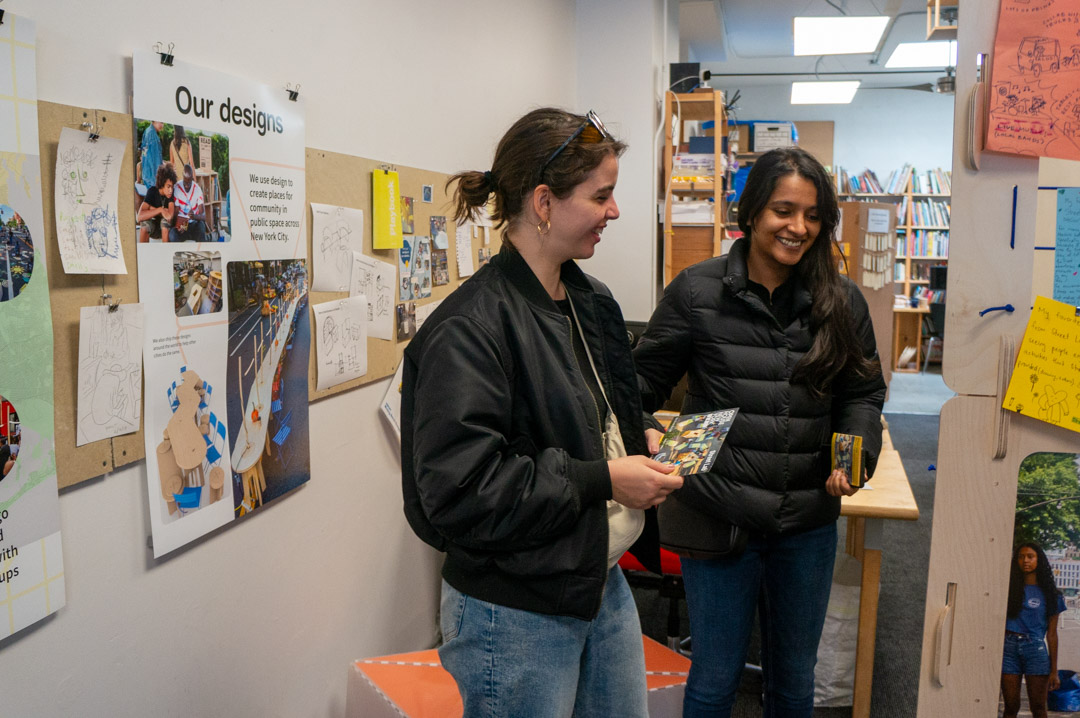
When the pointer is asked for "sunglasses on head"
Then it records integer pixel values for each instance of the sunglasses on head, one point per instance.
(591, 131)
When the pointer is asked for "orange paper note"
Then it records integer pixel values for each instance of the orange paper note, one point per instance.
(1035, 85)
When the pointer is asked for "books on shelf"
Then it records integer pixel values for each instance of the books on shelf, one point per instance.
(929, 213)
(935, 181)
(924, 243)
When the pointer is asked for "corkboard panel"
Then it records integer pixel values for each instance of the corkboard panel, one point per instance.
(70, 292)
(345, 181)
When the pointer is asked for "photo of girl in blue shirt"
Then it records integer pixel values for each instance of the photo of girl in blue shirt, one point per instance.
(1031, 639)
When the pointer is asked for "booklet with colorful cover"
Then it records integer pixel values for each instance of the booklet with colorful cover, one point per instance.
(847, 455)
(693, 441)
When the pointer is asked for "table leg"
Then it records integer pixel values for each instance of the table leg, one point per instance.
(869, 545)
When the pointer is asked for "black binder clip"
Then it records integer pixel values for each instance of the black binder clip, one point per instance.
(1, 17)
(113, 306)
(387, 168)
(89, 127)
(166, 55)
(293, 94)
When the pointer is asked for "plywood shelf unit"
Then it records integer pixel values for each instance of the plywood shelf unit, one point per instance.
(686, 244)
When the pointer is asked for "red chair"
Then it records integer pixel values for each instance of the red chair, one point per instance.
(669, 585)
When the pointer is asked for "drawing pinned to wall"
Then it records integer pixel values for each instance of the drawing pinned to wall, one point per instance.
(341, 340)
(336, 233)
(197, 283)
(440, 268)
(17, 262)
(424, 311)
(110, 372)
(407, 216)
(202, 212)
(87, 184)
(1045, 384)
(439, 237)
(427, 193)
(1035, 82)
(406, 320)
(375, 279)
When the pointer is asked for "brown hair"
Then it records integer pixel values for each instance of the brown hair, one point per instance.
(519, 165)
(164, 173)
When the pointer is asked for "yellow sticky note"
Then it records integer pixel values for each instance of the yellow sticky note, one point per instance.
(1045, 383)
(385, 210)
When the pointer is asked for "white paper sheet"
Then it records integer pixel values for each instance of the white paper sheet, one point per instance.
(391, 403)
(86, 194)
(336, 232)
(463, 248)
(376, 280)
(424, 311)
(341, 332)
(110, 372)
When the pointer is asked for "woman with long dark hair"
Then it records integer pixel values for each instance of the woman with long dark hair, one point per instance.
(180, 154)
(773, 329)
(519, 406)
(1031, 639)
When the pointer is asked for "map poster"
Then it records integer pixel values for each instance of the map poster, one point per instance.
(223, 278)
(31, 559)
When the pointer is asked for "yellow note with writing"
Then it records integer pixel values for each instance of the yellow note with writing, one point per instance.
(1045, 383)
(385, 210)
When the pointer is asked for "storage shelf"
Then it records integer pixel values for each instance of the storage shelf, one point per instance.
(703, 187)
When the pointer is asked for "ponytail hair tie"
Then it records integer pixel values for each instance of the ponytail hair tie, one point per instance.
(489, 178)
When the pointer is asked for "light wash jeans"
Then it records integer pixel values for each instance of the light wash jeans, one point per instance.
(510, 663)
(792, 574)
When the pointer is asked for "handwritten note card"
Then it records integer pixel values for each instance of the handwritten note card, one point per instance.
(1034, 88)
(1045, 384)
(87, 182)
(1067, 247)
(463, 248)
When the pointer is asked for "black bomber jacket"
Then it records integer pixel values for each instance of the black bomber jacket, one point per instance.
(502, 464)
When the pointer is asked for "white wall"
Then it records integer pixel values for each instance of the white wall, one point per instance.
(880, 129)
(262, 618)
(621, 50)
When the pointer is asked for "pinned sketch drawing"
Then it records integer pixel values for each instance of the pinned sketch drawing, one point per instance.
(87, 181)
(375, 280)
(1035, 85)
(463, 247)
(341, 332)
(110, 372)
(336, 232)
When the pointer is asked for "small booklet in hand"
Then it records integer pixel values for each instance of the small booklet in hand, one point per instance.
(693, 441)
(847, 456)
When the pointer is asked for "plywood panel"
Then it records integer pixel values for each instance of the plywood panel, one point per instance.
(817, 139)
(70, 292)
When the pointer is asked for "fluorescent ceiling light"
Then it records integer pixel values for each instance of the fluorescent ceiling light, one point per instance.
(924, 54)
(838, 35)
(823, 93)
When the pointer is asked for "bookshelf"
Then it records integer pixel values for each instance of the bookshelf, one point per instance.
(693, 201)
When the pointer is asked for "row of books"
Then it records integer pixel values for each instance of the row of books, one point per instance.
(925, 295)
(925, 212)
(923, 243)
(936, 181)
(920, 271)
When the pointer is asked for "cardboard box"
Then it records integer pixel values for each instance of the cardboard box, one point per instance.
(771, 136)
(415, 685)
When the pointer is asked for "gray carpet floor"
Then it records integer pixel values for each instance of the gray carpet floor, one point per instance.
(905, 562)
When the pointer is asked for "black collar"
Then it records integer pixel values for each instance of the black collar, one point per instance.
(510, 262)
(738, 275)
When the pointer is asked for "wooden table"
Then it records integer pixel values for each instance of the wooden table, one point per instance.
(866, 513)
(188, 446)
(907, 331)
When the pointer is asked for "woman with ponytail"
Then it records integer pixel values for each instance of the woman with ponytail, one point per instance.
(522, 441)
(773, 329)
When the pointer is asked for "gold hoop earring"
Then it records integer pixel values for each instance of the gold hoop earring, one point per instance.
(546, 227)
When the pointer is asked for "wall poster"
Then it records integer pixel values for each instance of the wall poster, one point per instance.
(31, 559)
(223, 277)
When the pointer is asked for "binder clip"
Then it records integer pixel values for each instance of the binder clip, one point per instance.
(89, 127)
(387, 168)
(166, 55)
(293, 94)
(113, 306)
(1, 16)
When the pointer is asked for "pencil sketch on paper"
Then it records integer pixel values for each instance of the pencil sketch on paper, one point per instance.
(110, 372)
(341, 340)
(87, 227)
(337, 232)
(376, 280)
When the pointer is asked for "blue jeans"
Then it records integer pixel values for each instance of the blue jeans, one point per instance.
(1024, 655)
(510, 663)
(792, 575)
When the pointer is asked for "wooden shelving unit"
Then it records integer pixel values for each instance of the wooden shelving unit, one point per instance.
(686, 244)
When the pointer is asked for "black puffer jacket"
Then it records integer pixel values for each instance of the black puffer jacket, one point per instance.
(771, 472)
(502, 460)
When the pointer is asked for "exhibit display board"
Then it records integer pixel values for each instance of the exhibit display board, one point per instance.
(225, 294)
(31, 559)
